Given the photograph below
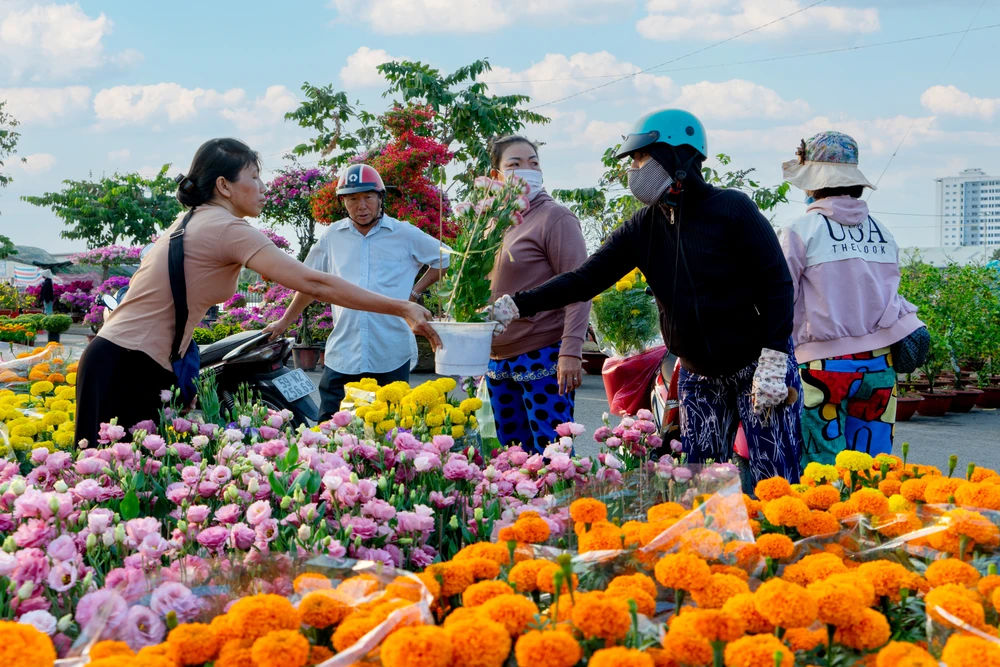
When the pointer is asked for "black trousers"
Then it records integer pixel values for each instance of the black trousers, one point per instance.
(115, 382)
(332, 392)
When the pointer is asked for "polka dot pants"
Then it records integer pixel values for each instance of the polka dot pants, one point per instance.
(527, 411)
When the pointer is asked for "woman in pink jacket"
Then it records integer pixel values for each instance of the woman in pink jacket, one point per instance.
(848, 310)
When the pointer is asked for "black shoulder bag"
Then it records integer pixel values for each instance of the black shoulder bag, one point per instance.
(186, 366)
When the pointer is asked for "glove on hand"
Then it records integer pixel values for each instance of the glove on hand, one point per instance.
(769, 387)
(503, 312)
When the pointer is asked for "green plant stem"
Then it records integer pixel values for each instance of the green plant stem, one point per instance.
(831, 631)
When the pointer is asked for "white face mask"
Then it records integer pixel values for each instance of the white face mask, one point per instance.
(532, 177)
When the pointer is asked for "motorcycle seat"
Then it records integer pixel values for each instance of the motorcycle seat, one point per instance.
(212, 354)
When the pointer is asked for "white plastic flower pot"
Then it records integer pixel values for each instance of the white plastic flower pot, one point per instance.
(465, 347)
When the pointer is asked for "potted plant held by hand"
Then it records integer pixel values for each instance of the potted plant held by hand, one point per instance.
(56, 325)
(467, 334)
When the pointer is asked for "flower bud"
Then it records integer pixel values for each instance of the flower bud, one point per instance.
(305, 532)
(453, 524)
(91, 542)
(357, 542)
(253, 486)
(300, 496)
(354, 478)
(88, 581)
(182, 526)
(4, 487)
(54, 504)
(18, 486)
(383, 483)
(65, 623)
(477, 514)
(108, 538)
(9, 545)
(26, 589)
(120, 534)
(286, 502)
(61, 487)
(267, 468)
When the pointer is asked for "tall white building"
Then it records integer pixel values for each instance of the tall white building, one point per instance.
(968, 207)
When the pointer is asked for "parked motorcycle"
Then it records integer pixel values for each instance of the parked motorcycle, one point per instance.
(249, 358)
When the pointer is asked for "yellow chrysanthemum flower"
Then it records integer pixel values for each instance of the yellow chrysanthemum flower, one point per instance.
(41, 388)
(457, 431)
(470, 405)
(854, 461)
(55, 418)
(820, 474)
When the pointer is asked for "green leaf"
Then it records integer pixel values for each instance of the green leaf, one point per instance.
(130, 506)
(277, 488)
(292, 455)
(140, 481)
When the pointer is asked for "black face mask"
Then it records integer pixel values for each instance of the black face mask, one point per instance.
(649, 182)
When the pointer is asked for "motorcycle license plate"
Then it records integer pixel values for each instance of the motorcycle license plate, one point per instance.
(294, 385)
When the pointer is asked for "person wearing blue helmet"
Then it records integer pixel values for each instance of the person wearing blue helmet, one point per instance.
(723, 291)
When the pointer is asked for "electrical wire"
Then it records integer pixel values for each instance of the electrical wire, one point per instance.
(686, 55)
(936, 82)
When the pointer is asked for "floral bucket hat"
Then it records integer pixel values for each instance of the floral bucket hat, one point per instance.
(826, 160)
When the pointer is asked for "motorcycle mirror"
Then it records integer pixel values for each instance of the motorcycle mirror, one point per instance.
(109, 302)
(145, 251)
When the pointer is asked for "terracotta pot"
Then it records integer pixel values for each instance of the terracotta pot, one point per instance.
(306, 358)
(593, 362)
(935, 405)
(990, 398)
(906, 407)
(965, 400)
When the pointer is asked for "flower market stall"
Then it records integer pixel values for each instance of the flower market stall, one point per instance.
(380, 538)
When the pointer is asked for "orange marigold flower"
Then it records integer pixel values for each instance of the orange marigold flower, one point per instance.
(843, 511)
(703, 542)
(682, 570)
(897, 654)
(455, 576)
(758, 651)
(319, 654)
(514, 612)
(645, 604)
(651, 531)
(951, 571)
(913, 489)
(688, 649)
(870, 502)
(987, 585)
(631, 580)
(420, 646)
(969, 651)
(730, 569)
(310, 581)
(979, 474)
(282, 648)
(257, 615)
(602, 540)
(482, 568)
(509, 534)
(478, 593)
(598, 615)
(804, 639)
(775, 546)
(889, 487)
(784, 604)
(351, 629)
(405, 588)
(743, 606)
(323, 608)
(711, 624)
(459, 614)
(821, 497)
(195, 643)
(819, 523)
(753, 506)
(973, 526)
(22, 644)
(113, 661)
(497, 552)
(860, 584)
(814, 567)
(786, 511)
(619, 656)
(744, 555)
(588, 510)
(524, 575)
(108, 648)
(664, 511)
(532, 530)
(235, 653)
(980, 495)
(720, 588)
(547, 579)
(900, 524)
(940, 490)
(547, 649)
(479, 643)
(772, 489)
(837, 604)
(868, 634)
(955, 599)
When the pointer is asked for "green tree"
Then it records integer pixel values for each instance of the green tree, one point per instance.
(8, 142)
(121, 207)
(7, 248)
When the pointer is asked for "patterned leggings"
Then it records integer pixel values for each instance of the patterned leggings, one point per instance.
(712, 410)
(524, 395)
(850, 403)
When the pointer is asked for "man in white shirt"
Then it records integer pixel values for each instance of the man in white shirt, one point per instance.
(381, 254)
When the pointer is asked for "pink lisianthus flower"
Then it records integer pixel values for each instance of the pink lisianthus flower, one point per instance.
(175, 597)
(101, 603)
(142, 627)
(570, 429)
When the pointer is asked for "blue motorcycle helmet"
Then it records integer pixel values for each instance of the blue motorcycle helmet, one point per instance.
(673, 127)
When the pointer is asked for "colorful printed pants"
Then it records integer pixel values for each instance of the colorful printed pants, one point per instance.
(850, 403)
(524, 395)
(712, 410)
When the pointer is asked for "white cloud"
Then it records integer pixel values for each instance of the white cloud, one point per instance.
(557, 75)
(436, 16)
(139, 104)
(718, 19)
(950, 101)
(602, 134)
(270, 109)
(119, 155)
(44, 105)
(55, 40)
(736, 99)
(38, 163)
(360, 72)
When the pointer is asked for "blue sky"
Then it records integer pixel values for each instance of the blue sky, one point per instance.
(104, 85)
